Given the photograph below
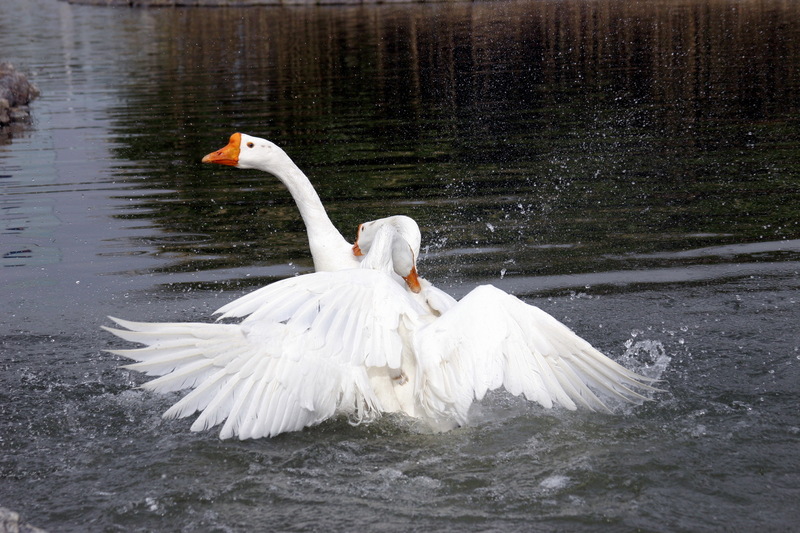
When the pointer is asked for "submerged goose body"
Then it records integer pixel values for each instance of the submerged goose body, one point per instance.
(365, 341)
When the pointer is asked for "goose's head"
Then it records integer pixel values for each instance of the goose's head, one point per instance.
(246, 151)
(394, 242)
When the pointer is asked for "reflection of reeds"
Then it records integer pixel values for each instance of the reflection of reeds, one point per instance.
(604, 117)
(662, 50)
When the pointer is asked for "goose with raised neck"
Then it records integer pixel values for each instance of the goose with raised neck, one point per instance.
(330, 251)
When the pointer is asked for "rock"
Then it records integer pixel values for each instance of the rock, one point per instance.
(10, 523)
(5, 108)
(16, 92)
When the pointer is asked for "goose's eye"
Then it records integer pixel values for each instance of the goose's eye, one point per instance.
(250, 145)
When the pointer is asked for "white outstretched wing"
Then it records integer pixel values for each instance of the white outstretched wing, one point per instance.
(491, 339)
(300, 356)
(351, 313)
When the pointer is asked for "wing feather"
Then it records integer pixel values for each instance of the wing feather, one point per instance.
(298, 357)
(491, 339)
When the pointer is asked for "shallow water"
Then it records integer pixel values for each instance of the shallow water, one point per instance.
(629, 167)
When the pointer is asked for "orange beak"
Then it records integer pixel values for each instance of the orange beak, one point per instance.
(412, 280)
(228, 155)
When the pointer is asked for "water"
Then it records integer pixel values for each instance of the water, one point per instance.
(629, 167)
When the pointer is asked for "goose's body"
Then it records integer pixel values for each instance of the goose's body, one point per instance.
(360, 342)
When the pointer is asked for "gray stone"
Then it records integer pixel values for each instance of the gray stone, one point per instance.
(11, 523)
(16, 92)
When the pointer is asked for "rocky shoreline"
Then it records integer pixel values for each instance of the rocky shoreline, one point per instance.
(240, 3)
(16, 92)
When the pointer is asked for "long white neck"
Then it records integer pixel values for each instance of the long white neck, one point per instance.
(329, 250)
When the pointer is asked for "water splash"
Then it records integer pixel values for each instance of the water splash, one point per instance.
(647, 357)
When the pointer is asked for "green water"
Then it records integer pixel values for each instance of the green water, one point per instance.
(604, 127)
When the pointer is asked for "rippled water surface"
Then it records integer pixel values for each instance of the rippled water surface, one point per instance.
(633, 168)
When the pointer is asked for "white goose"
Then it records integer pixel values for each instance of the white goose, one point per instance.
(329, 250)
(361, 342)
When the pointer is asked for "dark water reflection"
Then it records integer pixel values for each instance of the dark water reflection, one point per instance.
(558, 131)
(630, 167)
